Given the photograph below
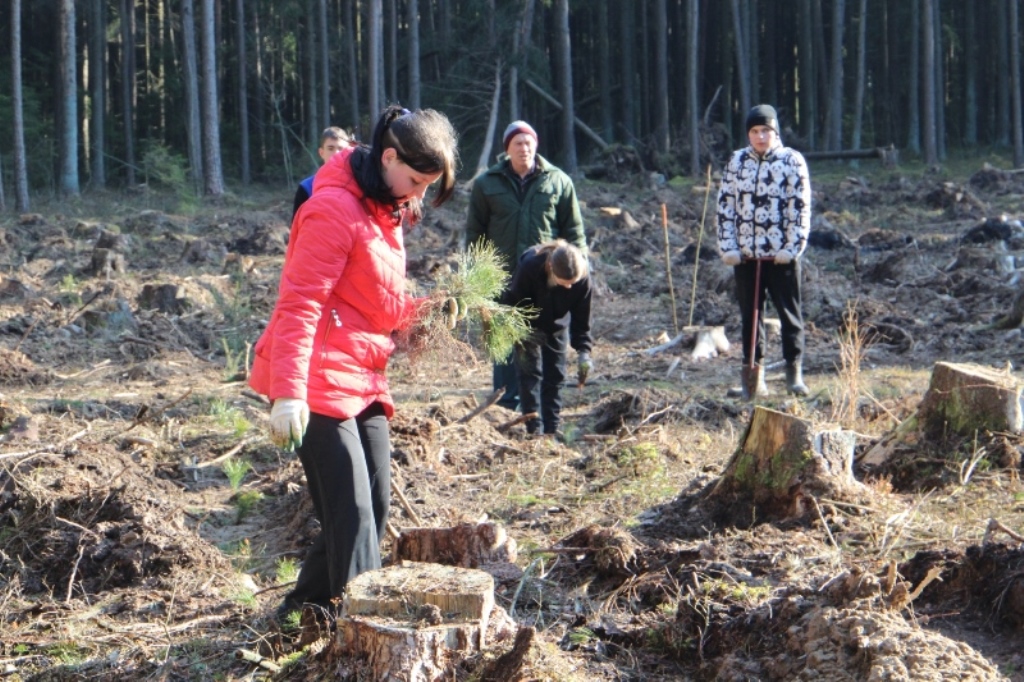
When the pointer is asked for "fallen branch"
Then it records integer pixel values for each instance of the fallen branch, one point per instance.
(227, 455)
(47, 448)
(521, 419)
(993, 526)
(405, 504)
(258, 659)
(491, 399)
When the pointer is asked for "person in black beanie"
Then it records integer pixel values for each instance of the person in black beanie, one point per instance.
(764, 219)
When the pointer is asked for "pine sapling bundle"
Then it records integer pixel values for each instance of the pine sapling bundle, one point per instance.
(469, 293)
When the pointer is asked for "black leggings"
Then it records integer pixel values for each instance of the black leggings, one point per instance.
(348, 471)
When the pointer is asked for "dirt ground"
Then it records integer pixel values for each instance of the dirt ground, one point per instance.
(148, 528)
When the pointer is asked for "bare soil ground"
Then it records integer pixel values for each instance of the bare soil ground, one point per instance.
(148, 529)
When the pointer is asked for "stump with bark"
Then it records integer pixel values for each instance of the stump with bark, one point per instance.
(783, 463)
(470, 545)
(704, 342)
(961, 400)
(415, 621)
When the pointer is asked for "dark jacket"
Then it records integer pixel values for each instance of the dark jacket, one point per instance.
(303, 192)
(517, 219)
(557, 306)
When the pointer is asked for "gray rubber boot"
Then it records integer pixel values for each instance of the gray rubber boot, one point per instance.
(795, 379)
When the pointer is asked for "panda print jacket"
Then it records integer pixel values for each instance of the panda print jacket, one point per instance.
(764, 203)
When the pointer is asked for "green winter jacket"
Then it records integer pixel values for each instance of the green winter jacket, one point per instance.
(547, 209)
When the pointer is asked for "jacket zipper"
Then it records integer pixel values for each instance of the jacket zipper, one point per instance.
(327, 333)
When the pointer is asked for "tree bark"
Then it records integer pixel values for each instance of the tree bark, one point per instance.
(413, 47)
(808, 81)
(492, 122)
(858, 106)
(914, 78)
(931, 152)
(628, 78)
(563, 47)
(213, 175)
(242, 95)
(352, 67)
(128, 87)
(692, 84)
(17, 104)
(661, 86)
(193, 124)
(98, 93)
(376, 59)
(835, 100)
(1018, 132)
(69, 95)
(604, 67)
(741, 57)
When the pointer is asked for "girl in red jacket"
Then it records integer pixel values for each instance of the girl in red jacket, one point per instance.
(323, 356)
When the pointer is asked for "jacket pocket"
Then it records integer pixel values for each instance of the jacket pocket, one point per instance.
(332, 323)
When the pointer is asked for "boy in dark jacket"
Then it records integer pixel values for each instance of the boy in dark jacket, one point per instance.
(553, 279)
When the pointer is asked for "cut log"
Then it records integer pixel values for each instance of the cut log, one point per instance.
(888, 155)
(415, 622)
(705, 342)
(784, 461)
(469, 545)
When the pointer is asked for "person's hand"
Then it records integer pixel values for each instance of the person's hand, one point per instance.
(450, 312)
(584, 366)
(731, 258)
(783, 258)
(288, 420)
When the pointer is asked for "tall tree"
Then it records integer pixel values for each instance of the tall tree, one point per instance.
(858, 106)
(127, 11)
(626, 43)
(835, 98)
(931, 153)
(413, 47)
(661, 85)
(914, 78)
(352, 66)
(375, 59)
(69, 100)
(1018, 132)
(970, 76)
(808, 82)
(213, 176)
(98, 92)
(692, 85)
(520, 44)
(563, 46)
(604, 62)
(325, 64)
(193, 120)
(741, 56)
(242, 95)
(18, 105)
(392, 52)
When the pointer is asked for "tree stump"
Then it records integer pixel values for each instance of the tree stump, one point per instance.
(470, 545)
(961, 399)
(781, 463)
(706, 342)
(414, 622)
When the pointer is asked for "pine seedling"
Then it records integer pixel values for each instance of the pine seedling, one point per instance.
(470, 293)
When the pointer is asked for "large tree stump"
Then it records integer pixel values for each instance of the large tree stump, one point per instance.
(470, 545)
(704, 342)
(783, 462)
(961, 399)
(413, 622)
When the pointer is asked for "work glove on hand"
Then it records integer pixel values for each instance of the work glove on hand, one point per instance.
(584, 365)
(783, 258)
(732, 258)
(450, 312)
(288, 420)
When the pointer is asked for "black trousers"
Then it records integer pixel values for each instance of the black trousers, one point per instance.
(505, 376)
(348, 471)
(782, 284)
(541, 364)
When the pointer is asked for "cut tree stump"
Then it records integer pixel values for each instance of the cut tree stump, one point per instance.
(469, 545)
(783, 462)
(414, 622)
(961, 399)
(705, 342)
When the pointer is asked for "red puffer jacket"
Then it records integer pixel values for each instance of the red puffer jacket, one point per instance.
(341, 296)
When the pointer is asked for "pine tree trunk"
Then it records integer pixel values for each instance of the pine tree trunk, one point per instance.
(243, 92)
(628, 77)
(741, 57)
(413, 47)
(98, 89)
(128, 87)
(835, 101)
(692, 102)
(931, 152)
(858, 107)
(193, 125)
(604, 65)
(213, 175)
(69, 95)
(808, 81)
(352, 67)
(661, 85)
(1018, 132)
(17, 104)
(325, 64)
(914, 79)
(564, 49)
(375, 59)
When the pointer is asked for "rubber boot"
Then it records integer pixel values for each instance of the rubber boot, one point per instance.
(752, 382)
(795, 379)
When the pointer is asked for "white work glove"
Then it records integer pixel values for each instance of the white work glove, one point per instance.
(783, 258)
(288, 420)
(732, 258)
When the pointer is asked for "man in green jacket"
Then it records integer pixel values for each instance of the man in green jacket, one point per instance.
(521, 201)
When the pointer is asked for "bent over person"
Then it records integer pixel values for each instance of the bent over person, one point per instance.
(764, 218)
(323, 356)
(521, 201)
(554, 280)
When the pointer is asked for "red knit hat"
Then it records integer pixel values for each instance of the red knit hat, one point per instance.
(515, 128)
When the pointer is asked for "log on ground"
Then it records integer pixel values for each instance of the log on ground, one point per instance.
(470, 545)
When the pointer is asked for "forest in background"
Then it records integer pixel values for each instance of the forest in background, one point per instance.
(202, 94)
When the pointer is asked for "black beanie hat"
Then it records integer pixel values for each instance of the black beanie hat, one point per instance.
(763, 115)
